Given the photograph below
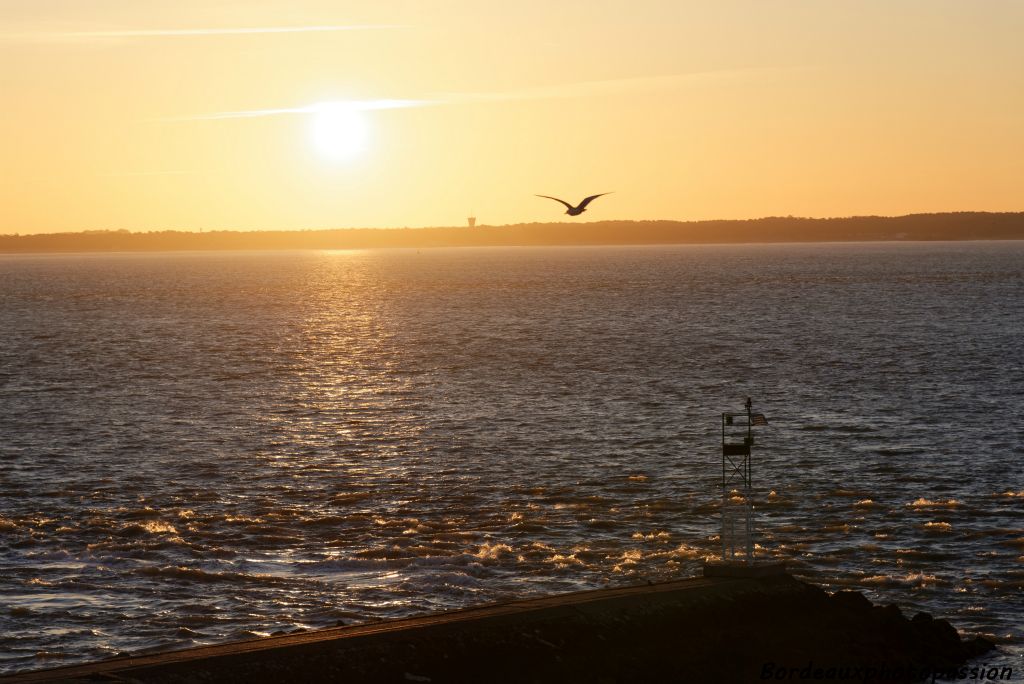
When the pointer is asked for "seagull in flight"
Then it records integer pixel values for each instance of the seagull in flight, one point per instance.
(580, 208)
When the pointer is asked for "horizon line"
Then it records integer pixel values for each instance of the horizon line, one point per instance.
(509, 225)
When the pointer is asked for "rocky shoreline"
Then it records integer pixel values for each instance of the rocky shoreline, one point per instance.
(719, 629)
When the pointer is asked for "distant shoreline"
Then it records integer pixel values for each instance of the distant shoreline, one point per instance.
(958, 226)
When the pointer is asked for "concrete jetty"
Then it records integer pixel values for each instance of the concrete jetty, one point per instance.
(717, 628)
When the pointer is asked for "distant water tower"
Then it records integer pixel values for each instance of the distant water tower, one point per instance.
(471, 221)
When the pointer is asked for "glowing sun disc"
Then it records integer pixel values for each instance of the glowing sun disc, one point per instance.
(339, 132)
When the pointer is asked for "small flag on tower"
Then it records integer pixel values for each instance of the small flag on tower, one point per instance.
(758, 419)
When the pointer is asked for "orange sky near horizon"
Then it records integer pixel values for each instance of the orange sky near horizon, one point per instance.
(144, 115)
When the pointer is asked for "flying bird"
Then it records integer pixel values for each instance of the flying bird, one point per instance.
(580, 208)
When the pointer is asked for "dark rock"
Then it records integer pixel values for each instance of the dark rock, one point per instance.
(851, 601)
(922, 618)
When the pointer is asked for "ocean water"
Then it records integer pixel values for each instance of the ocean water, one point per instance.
(196, 448)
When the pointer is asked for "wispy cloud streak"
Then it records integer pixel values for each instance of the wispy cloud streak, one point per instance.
(196, 32)
(612, 86)
(357, 105)
(147, 173)
(616, 86)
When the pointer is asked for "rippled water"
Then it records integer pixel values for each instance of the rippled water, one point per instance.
(203, 447)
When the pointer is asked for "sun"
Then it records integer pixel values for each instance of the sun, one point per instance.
(339, 131)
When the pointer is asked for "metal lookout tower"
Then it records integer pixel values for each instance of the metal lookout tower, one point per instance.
(737, 487)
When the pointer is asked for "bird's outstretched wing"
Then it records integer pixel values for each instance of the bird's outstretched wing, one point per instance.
(588, 200)
(567, 205)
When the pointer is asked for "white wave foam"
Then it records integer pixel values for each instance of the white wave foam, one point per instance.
(923, 503)
(913, 579)
(492, 551)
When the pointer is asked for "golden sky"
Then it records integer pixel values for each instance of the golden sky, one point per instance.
(289, 114)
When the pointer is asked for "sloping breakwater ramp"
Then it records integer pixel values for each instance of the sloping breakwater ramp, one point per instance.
(721, 629)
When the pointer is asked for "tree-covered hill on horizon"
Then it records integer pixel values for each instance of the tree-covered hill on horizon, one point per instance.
(913, 227)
